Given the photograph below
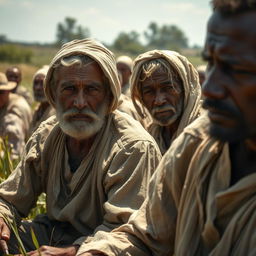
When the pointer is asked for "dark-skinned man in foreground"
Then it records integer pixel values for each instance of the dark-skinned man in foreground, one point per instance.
(202, 197)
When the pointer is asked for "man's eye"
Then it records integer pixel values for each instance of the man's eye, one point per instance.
(169, 87)
(69, 88)
(92, 88)
(243, 71)
(147, 91)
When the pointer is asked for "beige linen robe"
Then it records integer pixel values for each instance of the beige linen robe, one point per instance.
(191, 209)
(110, 184)
(15, 120)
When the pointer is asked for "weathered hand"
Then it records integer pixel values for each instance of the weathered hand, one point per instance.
(46, 250)
(93, 253)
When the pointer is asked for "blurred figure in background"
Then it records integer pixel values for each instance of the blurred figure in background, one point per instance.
(44, 109)
(124, 66)
(15, 117)
(167, 85)
(201, 72)
(14, 74)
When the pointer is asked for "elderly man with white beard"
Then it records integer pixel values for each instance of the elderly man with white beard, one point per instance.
(165, 86)
(94, 163)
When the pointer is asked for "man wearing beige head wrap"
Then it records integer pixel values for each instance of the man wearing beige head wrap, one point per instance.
(94, 163)
(202, 197)
(167, 85)
(44, 110)
(15, 117)
(124, 66)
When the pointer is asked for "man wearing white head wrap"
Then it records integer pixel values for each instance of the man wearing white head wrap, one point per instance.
(93, 163)
(124, 66)
(167, 85)
(44, 110)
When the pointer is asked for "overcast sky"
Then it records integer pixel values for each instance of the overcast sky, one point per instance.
(36, 21)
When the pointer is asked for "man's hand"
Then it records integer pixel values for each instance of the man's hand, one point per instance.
(4, 236)
(93, 253)
(50, 251)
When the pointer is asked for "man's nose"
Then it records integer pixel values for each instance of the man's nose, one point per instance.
(80, 100)
(214, 84)
(160, 98)
(38, 86)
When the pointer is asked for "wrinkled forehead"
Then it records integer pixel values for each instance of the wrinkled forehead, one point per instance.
(157, 67)
(232, 35)
(232, 28)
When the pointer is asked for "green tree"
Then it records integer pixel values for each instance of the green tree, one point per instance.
(128, 43)
(168, 37)
(68, 31)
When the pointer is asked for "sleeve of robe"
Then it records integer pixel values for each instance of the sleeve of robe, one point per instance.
(126, 183)
(24, 185)
(14, 130)
(151, 229)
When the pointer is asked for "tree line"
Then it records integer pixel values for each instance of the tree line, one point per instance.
(156, 37)
(129, 43)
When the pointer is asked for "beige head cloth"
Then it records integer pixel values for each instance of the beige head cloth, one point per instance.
(96, 51)
(188, 75)
(42, 71)
(125, 60)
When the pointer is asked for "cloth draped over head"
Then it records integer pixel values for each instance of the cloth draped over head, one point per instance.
(97, 52)
(188, 75)
(42, 71)
(125, 60)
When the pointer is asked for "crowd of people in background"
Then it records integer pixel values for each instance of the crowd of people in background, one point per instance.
(150, 156)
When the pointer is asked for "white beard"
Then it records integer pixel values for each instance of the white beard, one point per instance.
(81, 129)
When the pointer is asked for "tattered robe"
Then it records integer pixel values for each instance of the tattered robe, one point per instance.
(109, 185)
(191, 209)
(191, 86)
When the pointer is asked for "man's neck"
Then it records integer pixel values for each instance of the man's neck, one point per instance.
(243, 160)
(168, 132)
(77, 151)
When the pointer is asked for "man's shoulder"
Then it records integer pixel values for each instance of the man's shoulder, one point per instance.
(44, 129)
(199, 128)
(18, 104)
(192, 136)
(25, 93)
(128, 129)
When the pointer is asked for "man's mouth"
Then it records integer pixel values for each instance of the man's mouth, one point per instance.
(221, 117)
(80, 117)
